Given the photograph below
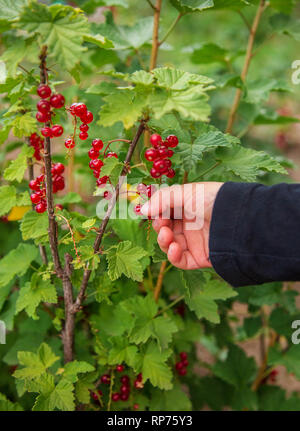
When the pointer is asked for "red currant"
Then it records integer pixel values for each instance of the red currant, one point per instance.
(111, 154)
(59, 183)
(57, 101)
(84, 128)
(171, 173)
(93, 154)
(97, 163)
(155, 140)
(137, 209)
(102, 181)
(160, 166)
(168, 163)
(150, 191)
(59, 207)
(97, 144)
(91, 165)
(41, 207)
(41, 178)
(47, 132)
(124, 397)
(125, 380)
(182, 372)
(43, 106)
(105, 379)
(125, 389)
(107, 195)
(139, 377)
(183, 355)
(69, 143)
(72, 108)
(154, 173)
(136, 406)
(170, 153)
(179, 365)
(33, 138)
(162, 152)
(120, 368)
(172, 141)
(83, 136)
(96, 173)
(57, 130)
(80, 109)
(151, 154)
(43, 117)
(44, 91)
(115, 397)
(37, 155)
(94, 396)
(142, 189)
(34, 185)
(58, 169)
(138, 384)
(87, 118)
(35, 198)
(185, 362)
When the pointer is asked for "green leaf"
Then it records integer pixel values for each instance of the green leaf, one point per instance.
(34, 225)
(11, 10)
(61, 28)
(273, 398)
(70, 198)
(35, 364)
(237, 369)
(209, 53)
(173, 400)
(112, 168)
(142, 77)
(190, 6)
(17, 168)
(24, 125)
(72, 369)
(99, 40)
(8, 199)
(33, 293)
(125, 259)
(154, 367)
(16, 262)
(7, 406)
(124, 37)
(230, 4)
(284, 6)
(121, 352)
(201, 294)
(289, 359)
(175, 79)
(59, 397)
(246, 163)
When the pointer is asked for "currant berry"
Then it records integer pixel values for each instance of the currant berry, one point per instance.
(72, 108)
(107, 195)
(183, 355)
(33, 138)
(97, 144)
(87, 118)
(41, 207)
(105, 379)
(102, 181)
(91, 164)
(57, 130)
(69, 143)
(94, 396)
(185, 362)
(138, 384)
(168, 163)
(35, 198)
(154, 173)
(58, 169)
(43, 106)
(40, 178)
(59, 207)
(111, 154)
(125, 389)
(162, 152)
(57, 101)
(80, 109)
(155, 140)
(84, 128)
(47, 132)
(139, 377)
(182, 372)
(124, 397)
(120, 368)
(34, 185)
(59, 183)
(160, 166)
(83, 136)
(151, 154)
(136, 406)
(97, 163)
(115, 397)
(172, 141)
(96, 173)
(43, 117)
(137, 209)
(93, 154)
(37, 155)
(179, 365)
(44, 91)
(171, 173)
(170, 153)
(125, 380)
(150, 191)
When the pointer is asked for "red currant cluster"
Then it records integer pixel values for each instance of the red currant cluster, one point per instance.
(38, 144)
(44, 107)
(79, 110)
(144, 192)
(160, 155)
(38, 198)
(182, 364)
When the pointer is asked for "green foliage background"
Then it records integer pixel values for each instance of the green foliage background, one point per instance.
(190, 93)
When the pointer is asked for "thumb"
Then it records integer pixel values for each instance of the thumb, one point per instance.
(163, 201)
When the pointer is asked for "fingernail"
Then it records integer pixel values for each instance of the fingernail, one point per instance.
(145, 208)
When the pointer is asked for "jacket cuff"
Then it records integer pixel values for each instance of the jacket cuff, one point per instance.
(229, 208)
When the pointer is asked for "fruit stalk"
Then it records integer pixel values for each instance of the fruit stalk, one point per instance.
(97, 244)
(247, 62)
(63, 273)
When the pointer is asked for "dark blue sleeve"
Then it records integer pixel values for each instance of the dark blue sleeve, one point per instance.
(255, 233)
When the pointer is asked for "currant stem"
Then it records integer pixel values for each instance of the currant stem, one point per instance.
(169, 31)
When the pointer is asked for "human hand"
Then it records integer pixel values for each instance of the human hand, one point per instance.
(186, 246)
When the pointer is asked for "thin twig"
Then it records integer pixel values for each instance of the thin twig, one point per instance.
(171, 305)
(244, 19)
(98, 241)
(159, 282)
(155, 42)
(151, 4)
(169, 31)
(247, 62)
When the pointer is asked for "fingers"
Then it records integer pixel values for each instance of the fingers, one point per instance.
(164, 239)
(159, 223)
(180, 258)
(162, 201)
